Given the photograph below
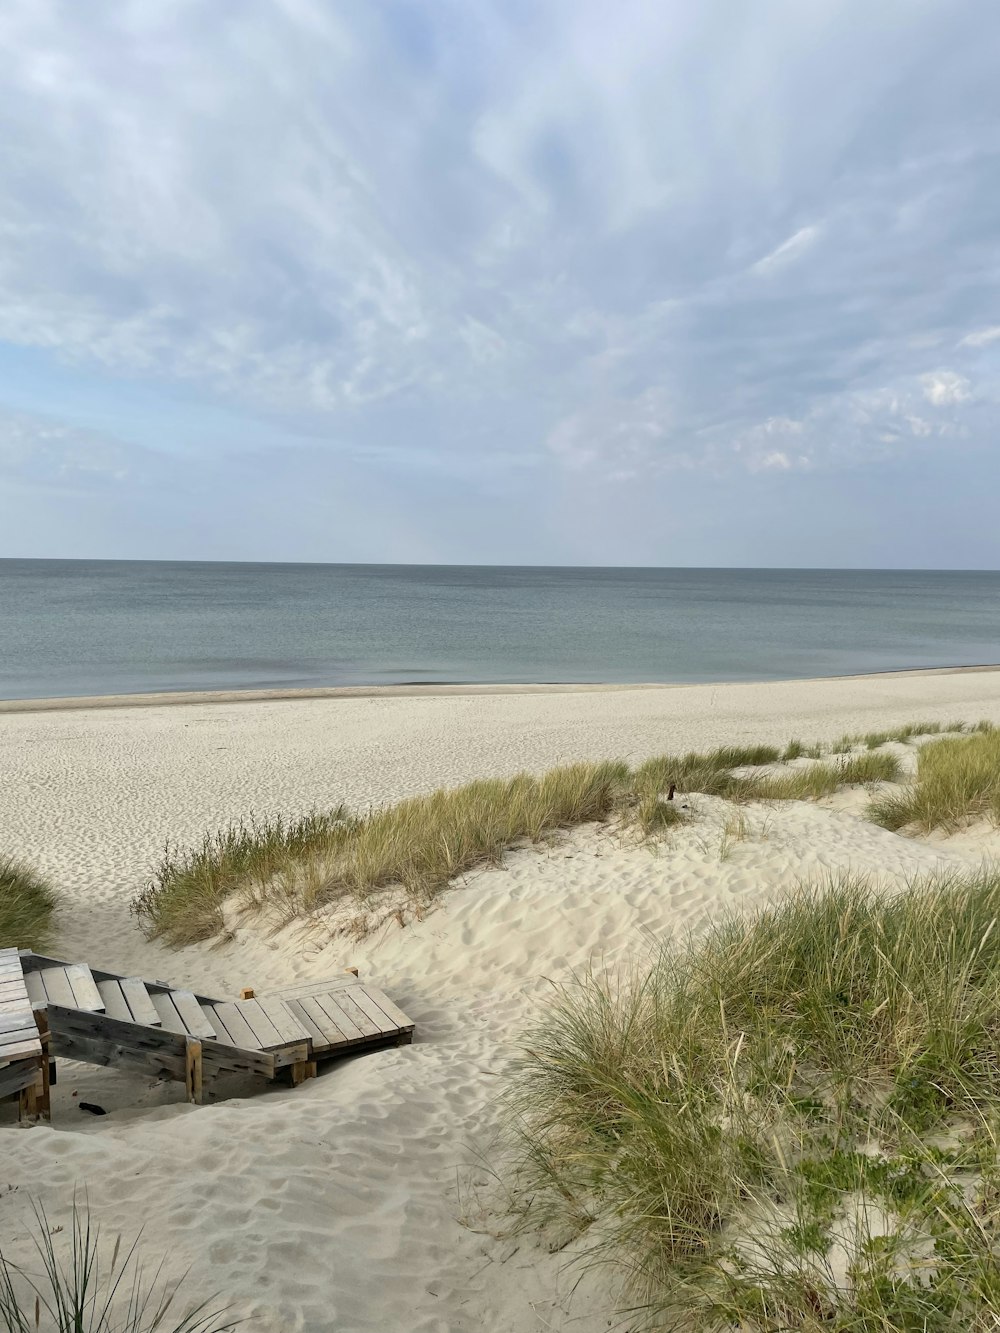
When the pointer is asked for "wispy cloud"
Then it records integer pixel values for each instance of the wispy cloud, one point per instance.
(788, 251)
(487, 242)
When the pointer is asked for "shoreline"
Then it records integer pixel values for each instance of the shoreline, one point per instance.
(175, 698)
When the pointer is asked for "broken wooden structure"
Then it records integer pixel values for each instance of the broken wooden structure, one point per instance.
(104, 1018)
(24, 1060)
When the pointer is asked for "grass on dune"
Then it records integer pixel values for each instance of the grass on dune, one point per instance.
(787, 1124)
(88, 1291)
(958, 780)
(27, 904)
(293, 868)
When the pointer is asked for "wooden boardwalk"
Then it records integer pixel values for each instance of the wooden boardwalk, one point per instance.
(107, 1019)
(24, 1065)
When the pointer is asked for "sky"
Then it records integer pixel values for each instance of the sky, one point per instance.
(501, 281)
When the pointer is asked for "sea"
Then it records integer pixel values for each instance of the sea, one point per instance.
(89, 627)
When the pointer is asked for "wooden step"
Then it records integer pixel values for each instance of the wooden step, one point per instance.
(36, 991)
(139, 1003)
(115, 1003)
(180, 1012)
(72, 987)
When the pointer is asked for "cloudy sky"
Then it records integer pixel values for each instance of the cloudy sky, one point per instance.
(501, 281)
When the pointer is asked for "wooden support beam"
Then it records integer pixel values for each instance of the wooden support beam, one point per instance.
(248, 993)
(44, 1098)
(193, 1069)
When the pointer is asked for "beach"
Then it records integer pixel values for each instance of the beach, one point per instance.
(366, 1199)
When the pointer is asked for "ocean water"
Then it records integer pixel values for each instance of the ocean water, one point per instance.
(101, 627)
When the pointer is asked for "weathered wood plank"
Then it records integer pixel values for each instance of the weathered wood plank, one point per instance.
(163, 1003)
(192, 1015)
(222, 1034)
(332, 1035)
(372, 1012)
(16, 1077)
(288, 1026)
(268, 1036)
(139, 1003)
(11, 994)
(15, 1036)
(392, 1011)
(341, 1020)
(237, 1026)
(19, 1050)
(36, 991)
(115, 1004)
(315, 1032)
(13, 1021)
(356, 1014)
(85, 991)
(57, 987)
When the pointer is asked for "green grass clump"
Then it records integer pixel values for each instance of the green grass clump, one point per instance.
(89, 1292)
(958, 780)
(420, 844)
(723, 1122)
(294, 867)
(183, 903)
(27, 903)
(818, 780)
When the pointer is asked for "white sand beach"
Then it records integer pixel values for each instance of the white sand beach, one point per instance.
(364, 1200)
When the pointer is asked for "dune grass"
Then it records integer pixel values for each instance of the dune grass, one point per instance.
(421, 845)
(787, 1124)
(27, 904)
(958, 780)
(89, 1291)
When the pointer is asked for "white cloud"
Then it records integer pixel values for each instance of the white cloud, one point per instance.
(494, 232)
(788, 251)
(943, 388)
(981, 337)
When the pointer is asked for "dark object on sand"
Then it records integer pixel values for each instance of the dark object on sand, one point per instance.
(94, 1110)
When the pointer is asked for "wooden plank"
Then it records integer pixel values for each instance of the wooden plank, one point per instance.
(138, 1001)
(237, 1026)
(268, 1036)
(14, 1036)
(84, 987)
(20, 1049)
(163, 1003)
(315, 1032)
(357, 1015)
(97, 1039)
(115, 1004)
(10, 993)
(57, 987)
(367, 1006)
(288, 1026)
(16, 1077)
(332, 1035)
(391, 1011)
(13, 1022)
(222, 1034)
(341, 1020)
(36, 991)
(191, 1014)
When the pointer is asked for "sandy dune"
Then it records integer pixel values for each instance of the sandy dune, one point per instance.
(348, 1204)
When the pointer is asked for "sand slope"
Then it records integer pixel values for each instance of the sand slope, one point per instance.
(349, 1203)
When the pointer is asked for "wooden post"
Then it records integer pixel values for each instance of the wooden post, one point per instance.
(27, 1101)
(192, 1069)
(44, 1100)
(353, 971)
(247, 993)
